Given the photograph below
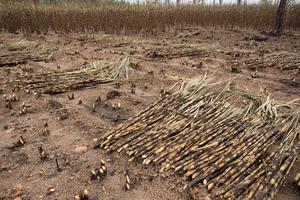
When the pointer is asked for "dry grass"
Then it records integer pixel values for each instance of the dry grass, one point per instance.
(130, 19)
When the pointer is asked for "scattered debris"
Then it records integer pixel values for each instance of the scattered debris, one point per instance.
(117, 85)
(45, 132)
(128, 183)
(103, 169)
(116, 118)
(8, 105)
(57, 165)
(98, 99)
(50, 191)
(23, 110)
(133, 86)
(113, 94)
(150, 72)
(46, 123)
(20, 141)
(71, 97)
(62, 114)
(132, 90)
(97, 144)
(235, 69)
(42, 154)
(198, 65)
(94, 107)
(53, 105)
(254, 74)
(163, 92)
(95, 174)
(80, 149)
(83, 195)
(99, 173)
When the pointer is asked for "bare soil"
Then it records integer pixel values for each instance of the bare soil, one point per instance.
(160, 62)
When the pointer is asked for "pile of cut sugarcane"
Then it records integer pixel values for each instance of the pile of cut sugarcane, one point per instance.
(41, 54)
(175, 52)
(257, 63)
(238, 153)
(284, 61)
(287, 61)
(98, 72)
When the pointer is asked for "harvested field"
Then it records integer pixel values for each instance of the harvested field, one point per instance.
(51, 142)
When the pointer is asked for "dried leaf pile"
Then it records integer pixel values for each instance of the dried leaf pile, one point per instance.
(237, 153)
(98, 72)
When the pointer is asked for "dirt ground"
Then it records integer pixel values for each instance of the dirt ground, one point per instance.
(160, 62)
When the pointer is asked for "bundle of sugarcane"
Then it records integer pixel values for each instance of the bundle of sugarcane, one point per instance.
(256, 63)
(174, 52)
(41, 54)
(258, 167)
(170, 109)
(258, 174)
(15, 45)
(284, 61)
(97, 72)
(287, 61)
(197, 132)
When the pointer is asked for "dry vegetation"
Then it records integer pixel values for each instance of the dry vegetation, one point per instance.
(39, 129)
(124, 18)
(81, 109)
(196, 132)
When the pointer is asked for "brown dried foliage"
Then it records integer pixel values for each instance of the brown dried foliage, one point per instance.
(131, 19)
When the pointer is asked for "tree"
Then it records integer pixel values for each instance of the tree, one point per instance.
(35, 2)
(278, 29)
(239, 2)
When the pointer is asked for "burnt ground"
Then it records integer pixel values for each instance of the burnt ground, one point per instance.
(160, 61)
